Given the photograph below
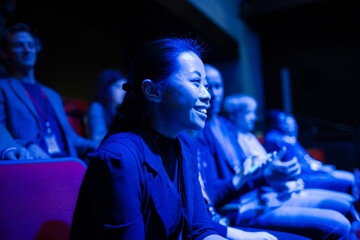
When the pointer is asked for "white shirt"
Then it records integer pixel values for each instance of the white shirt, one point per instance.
(251, 145)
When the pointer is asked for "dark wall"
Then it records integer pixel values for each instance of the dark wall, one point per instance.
(81, 39)
(320, 44)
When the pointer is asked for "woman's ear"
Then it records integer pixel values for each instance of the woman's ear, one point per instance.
(151, 91)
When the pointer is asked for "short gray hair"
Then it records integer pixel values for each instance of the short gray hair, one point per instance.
(236, 102)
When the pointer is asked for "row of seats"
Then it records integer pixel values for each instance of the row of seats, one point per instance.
(38, 198)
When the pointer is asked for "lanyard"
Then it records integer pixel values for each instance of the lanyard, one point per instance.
(43, 115)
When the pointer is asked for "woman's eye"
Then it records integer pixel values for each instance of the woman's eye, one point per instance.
(196, 81)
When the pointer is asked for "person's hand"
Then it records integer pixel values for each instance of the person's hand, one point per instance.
(37, 152)
(295, 185)
(253, 168)
(237, 234)
(278, 171)
(327, 168)
(16, 153)
(316, 165)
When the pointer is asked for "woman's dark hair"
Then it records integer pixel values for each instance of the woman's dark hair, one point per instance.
(274, 117)
(105, 79)
(156, 60)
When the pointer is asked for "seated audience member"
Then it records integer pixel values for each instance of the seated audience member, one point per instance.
(283, 132)
(231, 179)
(33, 123)
(221, 224)
(142, 182)
(241, 110)
(109, 97)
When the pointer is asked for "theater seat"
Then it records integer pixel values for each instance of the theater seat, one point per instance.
(76, 110)
(317, 153)
(38, 197)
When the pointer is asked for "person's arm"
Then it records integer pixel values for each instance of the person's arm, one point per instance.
(214, 237)
(237, 234)
(253, 170)
(15, 153)
(10, 149)
(116, 192)
(223, 191)
(37, 152)
(279, 172)
(96, 122)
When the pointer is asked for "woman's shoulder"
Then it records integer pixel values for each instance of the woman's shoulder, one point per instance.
(119, 144)
(95, 106)
(273, 133)
(119, 155)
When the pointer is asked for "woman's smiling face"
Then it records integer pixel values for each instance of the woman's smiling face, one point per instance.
(185, 99)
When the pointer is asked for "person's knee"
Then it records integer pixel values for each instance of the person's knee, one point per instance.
(338, 227)
(324, 224)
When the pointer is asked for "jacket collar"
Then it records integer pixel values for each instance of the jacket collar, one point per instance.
(165, 201)
(20, 91)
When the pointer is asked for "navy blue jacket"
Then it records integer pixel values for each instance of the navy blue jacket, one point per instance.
(127, 194)
(20, 122)
(218, 170)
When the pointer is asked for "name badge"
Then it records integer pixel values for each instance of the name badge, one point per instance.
(52, 144)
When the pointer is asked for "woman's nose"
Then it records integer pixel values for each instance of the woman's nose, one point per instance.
(205, 95)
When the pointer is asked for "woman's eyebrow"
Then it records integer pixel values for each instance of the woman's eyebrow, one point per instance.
(197, 72)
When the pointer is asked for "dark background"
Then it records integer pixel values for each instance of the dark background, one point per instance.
(81, 39)
(320, 44)
(317, 40)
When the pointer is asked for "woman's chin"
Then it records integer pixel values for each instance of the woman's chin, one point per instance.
(198, 125)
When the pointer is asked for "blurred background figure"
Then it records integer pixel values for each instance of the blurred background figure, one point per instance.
(283, 131)
(109, 97)
(232, 177)
(33, 123)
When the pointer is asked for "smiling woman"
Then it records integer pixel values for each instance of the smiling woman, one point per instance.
(142, 181)
(185, 99)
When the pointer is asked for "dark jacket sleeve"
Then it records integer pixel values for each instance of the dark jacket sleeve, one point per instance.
(109, 204)
(220, 229)
(221, 190)
(7, 138)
